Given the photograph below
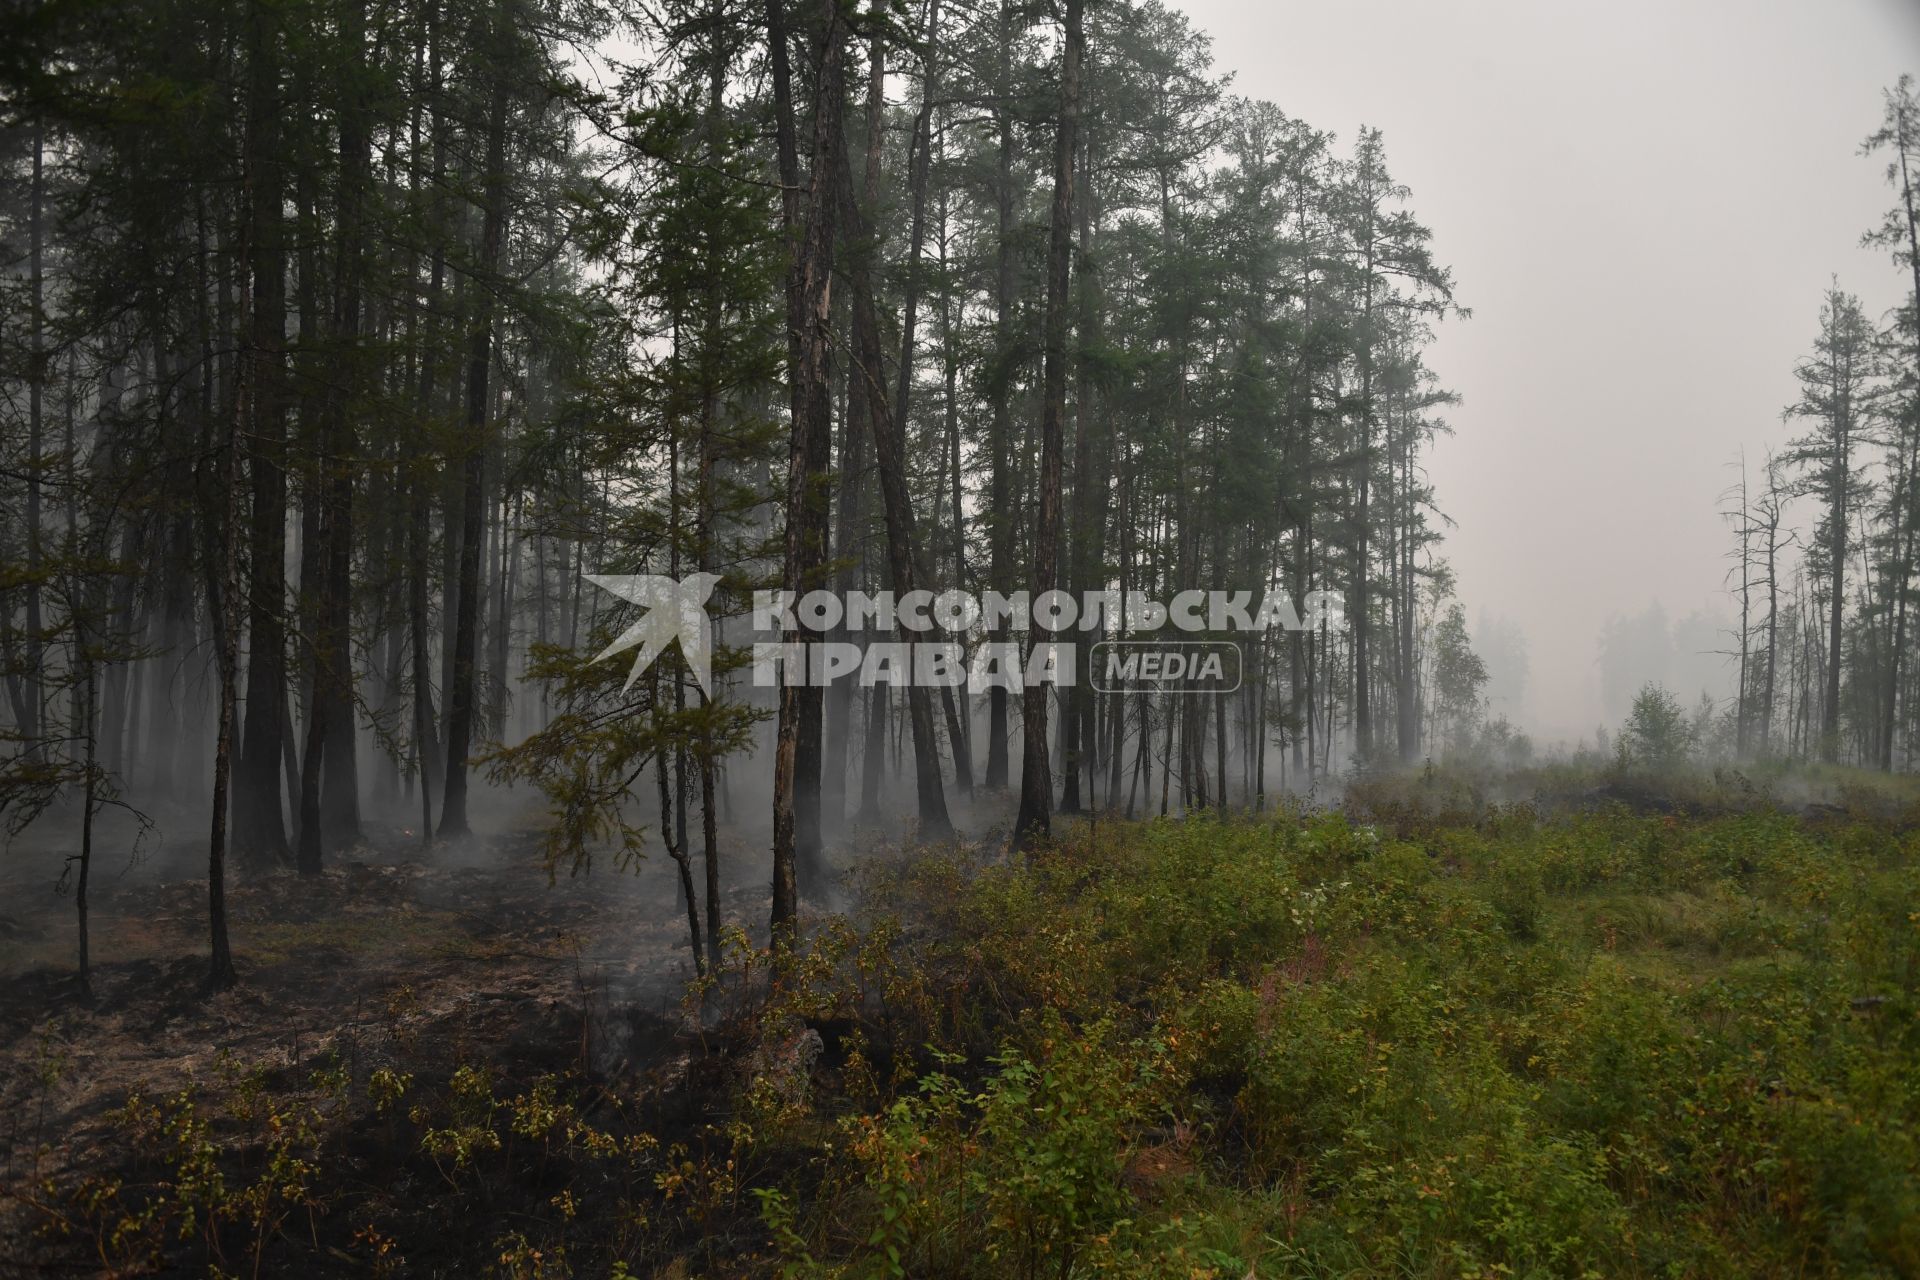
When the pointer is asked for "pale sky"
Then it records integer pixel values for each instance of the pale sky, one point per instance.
(1642, 202)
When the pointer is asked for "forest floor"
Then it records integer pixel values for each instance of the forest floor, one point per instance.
(397, 956)
(317, 957)
(1446, 1032)
(473, 950)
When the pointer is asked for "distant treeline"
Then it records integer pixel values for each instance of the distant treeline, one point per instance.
(1824, 639)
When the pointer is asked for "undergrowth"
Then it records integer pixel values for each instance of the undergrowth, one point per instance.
(1605, 1044)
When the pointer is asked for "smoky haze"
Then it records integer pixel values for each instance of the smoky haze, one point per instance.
(1643, 203)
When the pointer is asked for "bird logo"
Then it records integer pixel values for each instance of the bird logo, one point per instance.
(672, 609)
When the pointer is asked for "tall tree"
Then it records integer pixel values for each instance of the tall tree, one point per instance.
(1834, 396)
(1036, 771)
(462, 697)
(811, 229)
(1900, 232)
(257, 826)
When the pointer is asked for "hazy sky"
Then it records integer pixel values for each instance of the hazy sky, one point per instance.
(1642, 202)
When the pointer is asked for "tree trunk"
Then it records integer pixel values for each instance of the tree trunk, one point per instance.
(33, 701)
(1836, 580)
(1906, 506)
(1036, 773)
(902, 552)
(1079, 744)
(678, 852)
(1000, 484)
(708, 553)
(226, 604)
(336, 808)
(258, 832)
(461, 696)
(796, 768)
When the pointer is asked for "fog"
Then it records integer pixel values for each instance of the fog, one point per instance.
(1642, 203)
(1643, 210)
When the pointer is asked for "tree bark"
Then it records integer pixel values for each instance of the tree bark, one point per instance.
(796, 769)
(258, 831)
(1000, 384)
(33, 701)
(902, 552)
(1079, 747)
(461, 697)
(1036, 772)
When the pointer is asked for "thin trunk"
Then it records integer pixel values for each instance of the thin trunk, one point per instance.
(34, 700)
(340, 783)
(902, 552)
(1000, 513)
(873, 756)
(1836, 580)
(677, 850)
(1907, 496)
(796, 769)
(461, 696)
(708, 553)
(220, 970)
(1036, 773)
(257, 828)
(1078, 746)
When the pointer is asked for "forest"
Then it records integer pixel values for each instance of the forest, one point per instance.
(405, 875)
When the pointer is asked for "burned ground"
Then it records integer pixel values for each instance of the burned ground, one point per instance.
(392, 960)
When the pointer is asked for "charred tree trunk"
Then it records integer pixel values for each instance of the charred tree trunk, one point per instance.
(32, 708)
(329, 805)
(677, 850)
(226, 607)
(258, 831)
(340, 783)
